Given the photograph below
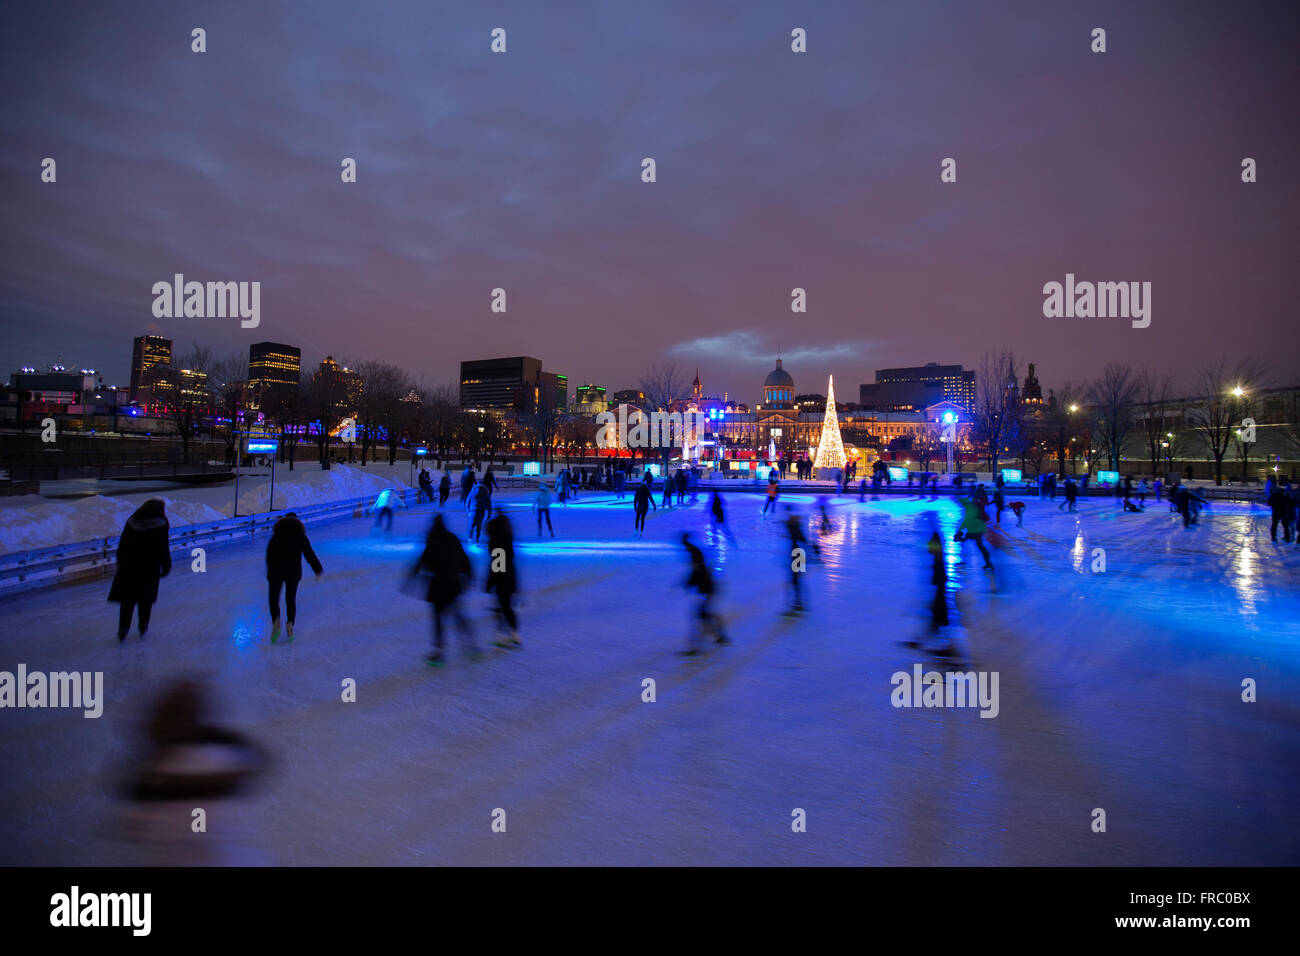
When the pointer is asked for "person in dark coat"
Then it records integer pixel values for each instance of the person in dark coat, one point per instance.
(447, 564)
(642, 502)
(143, 557)
(444, 489)
(284, 553)
(502, 577)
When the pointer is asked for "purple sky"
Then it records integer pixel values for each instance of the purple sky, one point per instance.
(775, 170)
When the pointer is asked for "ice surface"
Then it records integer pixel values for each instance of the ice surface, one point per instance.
(1119, 690)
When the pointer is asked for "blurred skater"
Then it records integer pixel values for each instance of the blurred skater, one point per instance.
(972, 528)
(449, 570)
(700, 580)
(502, 578)
(382, 509)
(444, 489)
(797, 557)
(1018, 509)
(284, 553)
(542, 507)
(718, 517)
(143, 558)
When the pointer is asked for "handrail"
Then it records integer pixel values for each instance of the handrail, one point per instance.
(44, 567)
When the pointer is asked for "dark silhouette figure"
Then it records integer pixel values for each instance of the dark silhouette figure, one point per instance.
(502, 579)
(700, 580)
(284, 553)
(448, 567)
(143, 558)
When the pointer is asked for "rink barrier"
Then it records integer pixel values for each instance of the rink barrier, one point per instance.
(63, 564)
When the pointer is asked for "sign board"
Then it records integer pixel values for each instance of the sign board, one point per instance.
(1108, 477)
(1012, 474)
(262, 446)
(897, 474)
(532, 468)
(653, 469)
(421, 452)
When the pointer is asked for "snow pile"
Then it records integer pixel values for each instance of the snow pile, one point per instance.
(33, 522)
(312, 486)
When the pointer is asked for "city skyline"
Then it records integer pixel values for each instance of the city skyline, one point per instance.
(775, 171)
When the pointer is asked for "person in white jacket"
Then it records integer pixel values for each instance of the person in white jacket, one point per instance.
(382, 509)
(542, 505)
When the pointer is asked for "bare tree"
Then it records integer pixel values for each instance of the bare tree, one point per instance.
(664, 386)
(995, 417)
(1112, 397)
(1155, 397)
(1218, 411)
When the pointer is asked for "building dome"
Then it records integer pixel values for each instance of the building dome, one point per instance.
(778, 388)
(778, 378)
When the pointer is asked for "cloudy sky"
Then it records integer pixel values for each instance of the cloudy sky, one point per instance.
(775, 170)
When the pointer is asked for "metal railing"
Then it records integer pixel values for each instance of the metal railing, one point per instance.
(46, 567)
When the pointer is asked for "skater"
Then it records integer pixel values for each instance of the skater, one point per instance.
(642, 502)
(667, 501)
(719, 518)
(445, 561)
(1071, 495)
(490, 480)
(620, 484)
(825, 527)
(700, 580)
(382, 509)
(481, 499)
(797, 558)
(1018, 509)
(1142, 494)
(939, 580)
(467, 480)
(1159, 487)
(444, 489)
(143, 558)
(426, 485)
(1281, 507)
(999, 499)
(561, 487)
(501, 577)
(284, 553)
(972, 528)
(1182, 502)
(773, 492)
(681, 481)
(542, 506)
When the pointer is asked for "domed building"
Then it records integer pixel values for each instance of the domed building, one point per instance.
(778, 389)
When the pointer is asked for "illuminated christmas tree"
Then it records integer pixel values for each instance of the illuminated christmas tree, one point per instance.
(830, 450)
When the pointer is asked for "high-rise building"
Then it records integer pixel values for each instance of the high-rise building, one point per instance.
(147, 352)
(273, 368)
(517, 383)
(918, 387)
(339, 388)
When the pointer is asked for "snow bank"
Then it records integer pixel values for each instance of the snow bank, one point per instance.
(32, 522)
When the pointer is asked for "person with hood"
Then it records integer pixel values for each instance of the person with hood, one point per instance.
(481, 499)
(642, 502)
(490, 480)
(449, 570)
(143, 558)
(466, 483)
(700, 580)
(444, 489)
(542, 505)
(382, 509)
(502, 578)
(681, 480)
(284, 553)
(426, 485)
(667, 501)
(1071, 496)
(773, 492)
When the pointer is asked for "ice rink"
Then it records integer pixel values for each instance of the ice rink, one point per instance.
(1118, 689)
